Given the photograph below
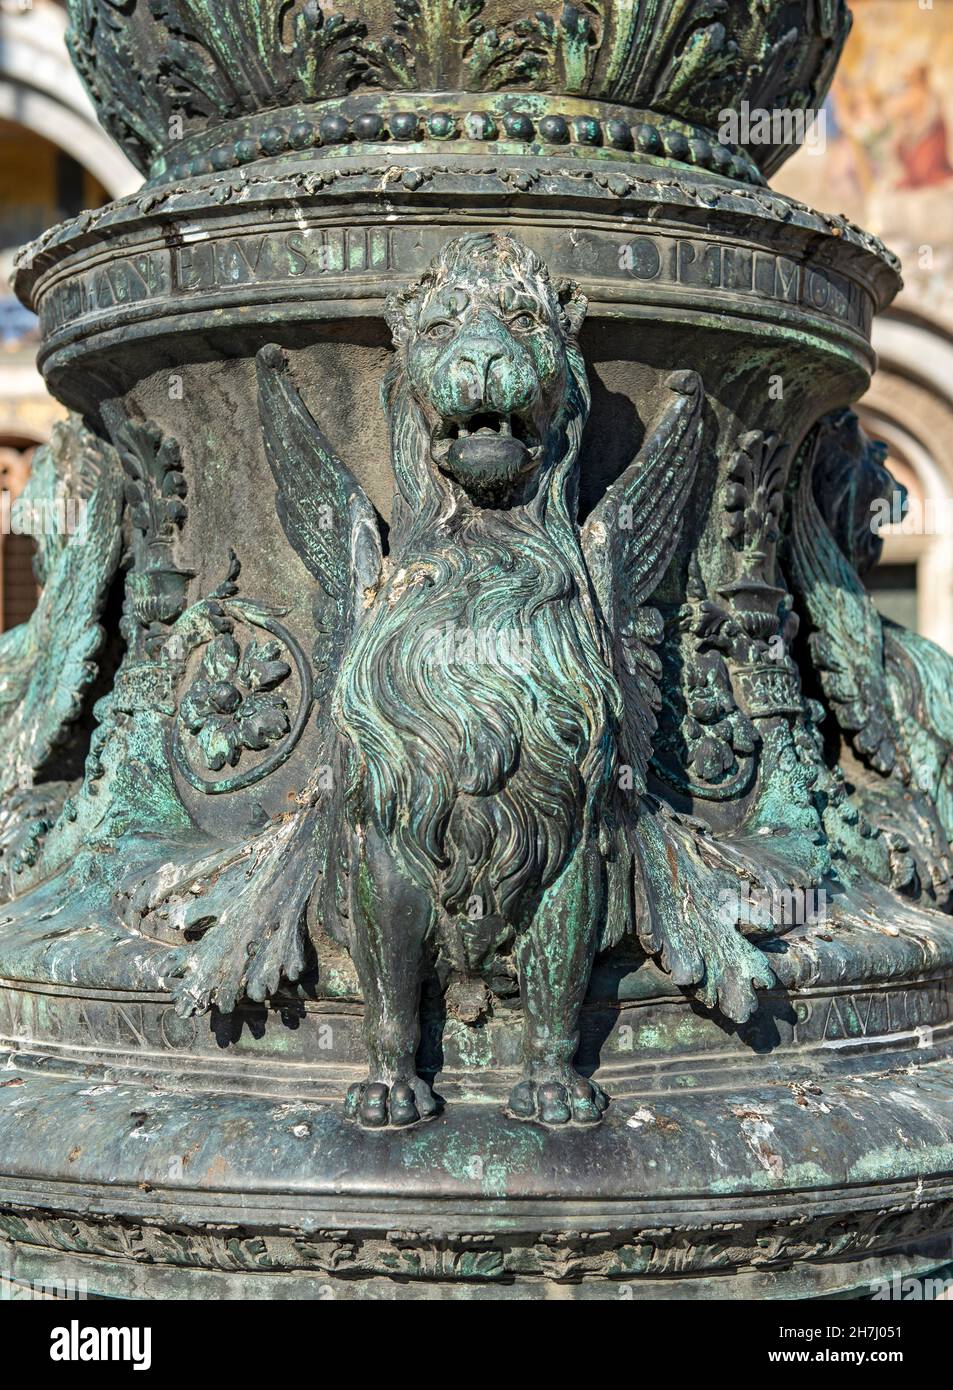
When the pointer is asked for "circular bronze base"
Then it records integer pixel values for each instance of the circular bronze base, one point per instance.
(809, 1152)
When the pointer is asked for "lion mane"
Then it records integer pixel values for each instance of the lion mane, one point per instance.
(482, 767)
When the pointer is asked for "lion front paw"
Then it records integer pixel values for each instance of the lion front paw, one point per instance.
(558, 1100)
(376, 1105)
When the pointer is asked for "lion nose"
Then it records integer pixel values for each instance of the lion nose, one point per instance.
(477, 369)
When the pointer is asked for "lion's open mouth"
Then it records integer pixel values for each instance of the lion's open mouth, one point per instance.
(485, 425)
(488, 452)
(488, 422)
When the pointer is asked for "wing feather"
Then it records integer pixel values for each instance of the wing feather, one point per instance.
(252, 905)
(324, 510)
(628, 542)
(847, 642)
(49, 663)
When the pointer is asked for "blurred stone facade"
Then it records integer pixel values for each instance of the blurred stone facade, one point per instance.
(887, 163)
(55, 160)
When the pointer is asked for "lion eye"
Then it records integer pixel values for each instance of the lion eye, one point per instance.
(525, 323)
(438, 331)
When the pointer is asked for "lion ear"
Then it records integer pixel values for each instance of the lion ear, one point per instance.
(573, 304)
(398, 313)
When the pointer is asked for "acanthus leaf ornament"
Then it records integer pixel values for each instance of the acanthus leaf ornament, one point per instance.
(157, 588)
(441, 45)
(677, 59)
(255, 54)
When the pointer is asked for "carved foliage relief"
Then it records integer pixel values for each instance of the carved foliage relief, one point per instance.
(237, 57)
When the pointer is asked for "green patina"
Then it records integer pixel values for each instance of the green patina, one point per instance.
(425, 781)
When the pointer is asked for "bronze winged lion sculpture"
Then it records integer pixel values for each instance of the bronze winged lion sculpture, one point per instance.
(491, 704)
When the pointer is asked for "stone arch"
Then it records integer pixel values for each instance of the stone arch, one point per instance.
(40, 90)
(910, 406)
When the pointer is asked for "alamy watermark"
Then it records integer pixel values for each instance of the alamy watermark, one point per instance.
(58, 1290)
(749, 125)
(751, 905)
(57, 516)
(912, 516)
(75, 1342)
(908, 1288)
(465, 647)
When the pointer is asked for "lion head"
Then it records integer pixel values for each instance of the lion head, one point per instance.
(481, 789)
(486, 350)
(851, 484)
